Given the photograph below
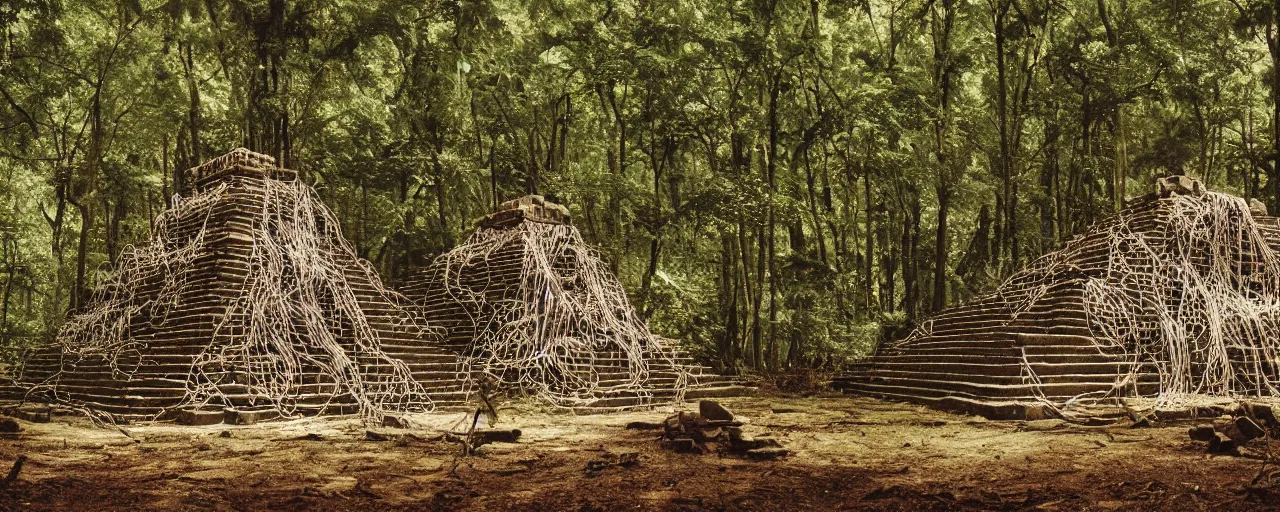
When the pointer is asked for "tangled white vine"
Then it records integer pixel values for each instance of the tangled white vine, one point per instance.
(1198, 300)
(1192, 294)
(297, 315)
(568, 322)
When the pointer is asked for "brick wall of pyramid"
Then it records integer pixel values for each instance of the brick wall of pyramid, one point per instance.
(1007, 356)
(151, 379)
(462, 300)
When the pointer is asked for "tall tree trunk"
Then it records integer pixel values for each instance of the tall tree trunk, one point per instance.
(1116, 183)
(193, 107)
(910, 287)
(165, 177)
(942, 76)
(115, 214)
(84, 201)
(890, 264)
(749, 322)
(941, 251)
(728, 296)
(1048, 188)
(1005, 207)
(813, 209)
(1121, 158)
(914, 263)
(772, 166)
(80, 292)
(1273, 45)
(757, 330)
(868, 270)
(11, 262)
(442, 199)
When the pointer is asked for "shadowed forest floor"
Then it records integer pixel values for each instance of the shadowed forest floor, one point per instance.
(848, 454)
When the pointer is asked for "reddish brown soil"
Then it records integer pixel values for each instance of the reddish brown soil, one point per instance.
(849, 454)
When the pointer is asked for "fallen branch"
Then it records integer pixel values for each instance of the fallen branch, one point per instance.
(13, 471)
(305, 437)
(481, 437)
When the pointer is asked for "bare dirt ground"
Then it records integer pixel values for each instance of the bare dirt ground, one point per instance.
(848, 454)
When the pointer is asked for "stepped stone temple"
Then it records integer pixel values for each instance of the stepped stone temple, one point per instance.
(526, 301)
(246, 303)
(1175, 298)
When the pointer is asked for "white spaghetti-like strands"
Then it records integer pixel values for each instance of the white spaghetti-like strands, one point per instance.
(102, 329)
(569, 312)
(1195, 300)
(296, 330)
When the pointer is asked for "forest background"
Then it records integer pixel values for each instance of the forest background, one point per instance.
(778, 183)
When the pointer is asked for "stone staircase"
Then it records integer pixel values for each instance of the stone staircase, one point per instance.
(1018, 354)
(477, 297)
(151, 379)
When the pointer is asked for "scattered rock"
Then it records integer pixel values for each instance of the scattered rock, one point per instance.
(1202, 433)
(1246, 424)
(389, 421)
(9, 425)
(1223, 445)
(1265, 414)
(768, 453)
(643, 425)
(608, 460)
(785, 410)
(1257, 208)
(1248, 428)
(1181, 185)
(688, 432)
(685, 445)
(376, 436)
(1230, 434)
(714, 411)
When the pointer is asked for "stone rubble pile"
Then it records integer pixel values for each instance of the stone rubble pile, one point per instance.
(1239, 433)
(714, 429)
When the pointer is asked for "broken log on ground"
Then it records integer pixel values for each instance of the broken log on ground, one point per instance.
(13, 471)
(480, 437)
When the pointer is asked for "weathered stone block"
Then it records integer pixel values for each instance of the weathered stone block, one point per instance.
(1184, 185)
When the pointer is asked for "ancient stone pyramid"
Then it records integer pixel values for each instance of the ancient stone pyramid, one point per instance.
(526, 301)
(1176, 298)
(246, 302)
